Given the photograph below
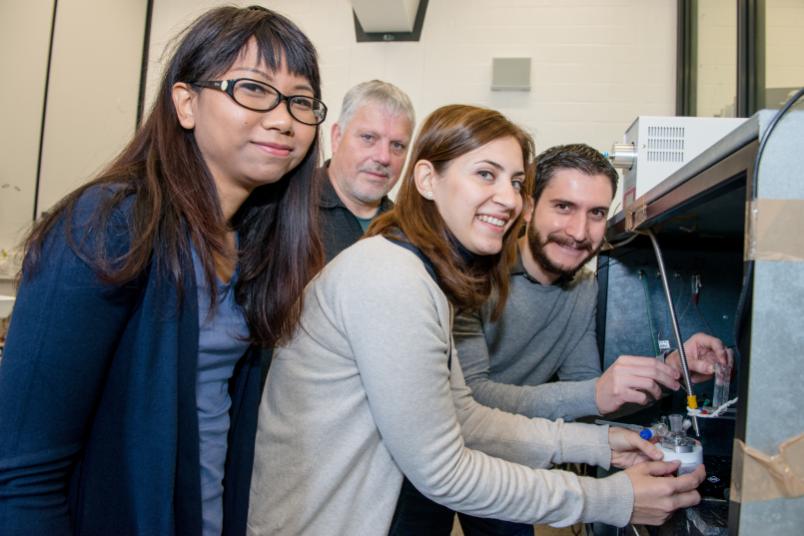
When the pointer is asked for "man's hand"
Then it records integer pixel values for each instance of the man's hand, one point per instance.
(703, 351)
(639, 380)
(633, 379)
(657, 494)
(628, 449)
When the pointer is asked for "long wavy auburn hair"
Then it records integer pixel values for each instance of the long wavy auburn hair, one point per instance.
(446, 134)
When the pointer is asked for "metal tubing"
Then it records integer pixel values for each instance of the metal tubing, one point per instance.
(674, 320)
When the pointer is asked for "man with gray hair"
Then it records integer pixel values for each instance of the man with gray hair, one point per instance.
(369, 146)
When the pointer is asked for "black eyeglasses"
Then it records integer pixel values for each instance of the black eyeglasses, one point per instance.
(262, 97)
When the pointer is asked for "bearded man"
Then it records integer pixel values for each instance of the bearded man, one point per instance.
(548, 327)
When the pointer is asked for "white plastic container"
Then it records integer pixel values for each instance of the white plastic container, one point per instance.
(690, 455)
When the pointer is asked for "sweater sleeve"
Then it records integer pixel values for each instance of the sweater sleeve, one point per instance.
(578, 365)
(554, 400)
(63, 331)
(535, 442)
(401, 347)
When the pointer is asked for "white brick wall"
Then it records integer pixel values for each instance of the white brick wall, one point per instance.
(785, 43)
(596, 64)
(92, 95)
(23, 26)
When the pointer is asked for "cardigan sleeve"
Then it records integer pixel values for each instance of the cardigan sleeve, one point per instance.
(402, 346)
(63, 332)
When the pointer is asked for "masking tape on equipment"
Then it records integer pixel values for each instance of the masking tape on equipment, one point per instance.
(635, 215)
(759, 477)
(775, 230)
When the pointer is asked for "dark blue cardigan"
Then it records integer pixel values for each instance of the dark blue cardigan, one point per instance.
(98, 423)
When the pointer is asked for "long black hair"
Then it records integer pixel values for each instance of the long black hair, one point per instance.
(175, 201)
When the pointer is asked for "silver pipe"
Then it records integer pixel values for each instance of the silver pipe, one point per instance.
(674, 320)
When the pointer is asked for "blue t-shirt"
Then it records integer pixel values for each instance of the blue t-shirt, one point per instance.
(222, 341)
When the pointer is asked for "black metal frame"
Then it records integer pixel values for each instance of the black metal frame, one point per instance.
(747, 39)
(750, 57)
(40, 154)
(686, 58)
(146, 45)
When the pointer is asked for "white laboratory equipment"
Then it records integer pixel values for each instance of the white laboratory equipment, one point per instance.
(655, 147)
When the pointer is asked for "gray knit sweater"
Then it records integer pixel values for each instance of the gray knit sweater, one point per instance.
(544, 331)
(363, 394)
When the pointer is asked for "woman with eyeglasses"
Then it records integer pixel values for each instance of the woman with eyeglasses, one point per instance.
(369, 389)
(131, 376)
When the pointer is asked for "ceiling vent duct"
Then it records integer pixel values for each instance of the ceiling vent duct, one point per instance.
(388, 20)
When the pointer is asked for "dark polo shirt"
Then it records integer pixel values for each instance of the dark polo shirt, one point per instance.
(339, 227)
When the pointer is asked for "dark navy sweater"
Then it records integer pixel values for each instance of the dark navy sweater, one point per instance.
(98, 422)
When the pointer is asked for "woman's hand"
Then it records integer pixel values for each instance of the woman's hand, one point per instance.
(628, 449)
(657, 493)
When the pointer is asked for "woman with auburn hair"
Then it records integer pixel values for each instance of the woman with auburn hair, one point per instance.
(131, 379)
(369, 389)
